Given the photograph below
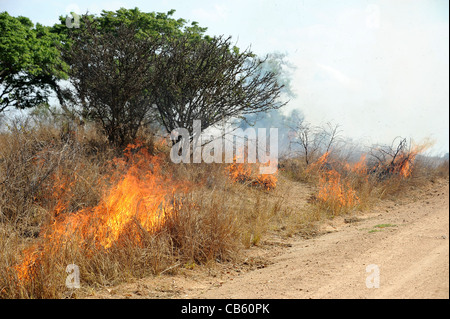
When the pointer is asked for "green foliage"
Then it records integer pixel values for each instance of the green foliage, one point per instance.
(112, 99)
(145, 24)
(211, 81)
(129, 68)
(110, 74)
(29, 62)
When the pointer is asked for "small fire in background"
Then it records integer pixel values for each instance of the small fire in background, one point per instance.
(337, 180)
(398, 161)
(403, 163)
(335, 190)
(249, 173)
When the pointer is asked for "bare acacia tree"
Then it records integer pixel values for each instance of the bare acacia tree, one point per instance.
(314, 140)
(331, 135)
(307, 138)
(111, 72)
(211, 81)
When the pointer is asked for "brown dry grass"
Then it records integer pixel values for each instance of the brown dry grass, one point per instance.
(343, 187)
(40, 171)
(44, 178)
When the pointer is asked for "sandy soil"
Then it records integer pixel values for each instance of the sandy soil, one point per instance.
(407, 241)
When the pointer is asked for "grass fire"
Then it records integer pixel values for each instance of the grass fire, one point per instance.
(248, 173)
(146, 215)
(101, 115)
(137, 203)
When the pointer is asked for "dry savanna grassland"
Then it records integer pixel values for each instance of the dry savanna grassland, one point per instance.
(124, 214)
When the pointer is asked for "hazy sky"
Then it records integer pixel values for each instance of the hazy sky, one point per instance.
(378, 68)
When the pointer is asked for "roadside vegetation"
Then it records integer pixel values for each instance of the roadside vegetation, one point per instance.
(90, 182)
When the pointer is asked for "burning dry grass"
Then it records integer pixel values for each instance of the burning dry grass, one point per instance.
(136, 204)
(344, 186)
(336, 193)
(115, 217)
(142, 224)
(249, 174)
(120, 216)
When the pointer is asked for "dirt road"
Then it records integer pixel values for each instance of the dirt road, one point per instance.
(407, 241)
(409, 244)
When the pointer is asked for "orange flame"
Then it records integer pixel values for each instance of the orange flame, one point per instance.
(335, 186)
(26, 270)
(334, 190)
(404, 163)
(248, 173)
(140, 196)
